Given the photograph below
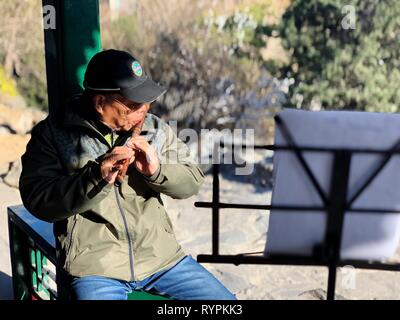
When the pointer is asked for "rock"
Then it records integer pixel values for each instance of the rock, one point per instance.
(12, 146)
(20, 120)
(4, 168)
(12, 177)
(318, 294)
(233, 237)
(5, 130)
(197, 241)
(13, 102)
(233, 282)
(315, 294)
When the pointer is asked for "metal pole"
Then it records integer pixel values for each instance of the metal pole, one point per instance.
(336, 210)
(69, 47)
(215, 210)
(215, 201)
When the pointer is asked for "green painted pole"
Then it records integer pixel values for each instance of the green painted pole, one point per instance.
(71, 39)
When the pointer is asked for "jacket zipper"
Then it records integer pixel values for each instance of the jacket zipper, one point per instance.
(130, 240)
(118, 200)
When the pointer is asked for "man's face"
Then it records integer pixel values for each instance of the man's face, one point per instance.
(122, 114)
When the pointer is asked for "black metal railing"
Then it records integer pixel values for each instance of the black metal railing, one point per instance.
(335, 205)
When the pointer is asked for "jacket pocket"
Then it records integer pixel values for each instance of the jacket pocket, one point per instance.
(70, 252)
(166, 222)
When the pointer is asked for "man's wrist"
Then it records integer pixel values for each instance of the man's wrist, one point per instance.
(155, 175)
(96, 171)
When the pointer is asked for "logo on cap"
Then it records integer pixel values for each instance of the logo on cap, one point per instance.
(137, 69)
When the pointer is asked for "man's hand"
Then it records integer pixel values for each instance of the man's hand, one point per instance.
(145, 157)
(112, 162)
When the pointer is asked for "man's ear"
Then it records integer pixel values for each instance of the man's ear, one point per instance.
(99, 102)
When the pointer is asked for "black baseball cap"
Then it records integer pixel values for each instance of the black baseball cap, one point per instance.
(115, 71)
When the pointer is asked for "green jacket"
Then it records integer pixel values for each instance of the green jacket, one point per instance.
(122, 232)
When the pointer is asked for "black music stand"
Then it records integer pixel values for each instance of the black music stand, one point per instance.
(335, 206)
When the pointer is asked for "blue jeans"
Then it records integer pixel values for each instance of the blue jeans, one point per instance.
(187, 280)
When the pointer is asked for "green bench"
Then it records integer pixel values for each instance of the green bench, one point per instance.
(33, 259)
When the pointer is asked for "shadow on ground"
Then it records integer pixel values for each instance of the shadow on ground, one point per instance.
(6, 292)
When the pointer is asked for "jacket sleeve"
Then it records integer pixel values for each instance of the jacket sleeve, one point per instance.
(46, 191)
(178, 175)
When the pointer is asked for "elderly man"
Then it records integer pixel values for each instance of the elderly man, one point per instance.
(112, 231)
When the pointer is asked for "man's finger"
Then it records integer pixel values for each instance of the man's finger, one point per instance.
(120, 150)
(117, 167)
(137, 138)
(141, 145)
(131, 142)
(113, 176)
(110, 178)
(114, 157)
